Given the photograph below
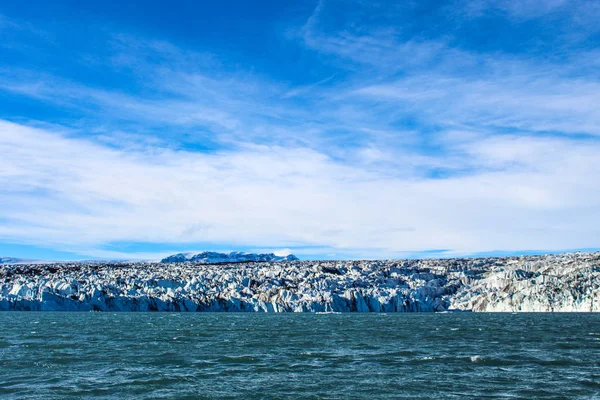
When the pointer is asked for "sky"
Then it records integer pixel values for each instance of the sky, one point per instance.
(328, 129)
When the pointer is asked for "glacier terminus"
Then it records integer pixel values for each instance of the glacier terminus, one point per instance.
(562, 283)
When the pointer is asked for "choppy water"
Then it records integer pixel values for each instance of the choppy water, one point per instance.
(252, 356)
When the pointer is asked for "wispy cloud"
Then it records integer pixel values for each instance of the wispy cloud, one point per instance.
(529, 103)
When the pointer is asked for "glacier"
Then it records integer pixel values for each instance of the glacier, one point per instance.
(549, 283)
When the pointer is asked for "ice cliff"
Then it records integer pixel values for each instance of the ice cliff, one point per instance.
(566, 282)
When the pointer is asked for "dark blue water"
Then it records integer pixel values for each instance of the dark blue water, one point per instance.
(255, 356)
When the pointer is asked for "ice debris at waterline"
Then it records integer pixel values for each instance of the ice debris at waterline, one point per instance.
(566, 282)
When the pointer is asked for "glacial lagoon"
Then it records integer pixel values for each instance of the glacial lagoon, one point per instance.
(80, 355)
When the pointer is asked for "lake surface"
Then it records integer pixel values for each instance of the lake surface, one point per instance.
(254, 356)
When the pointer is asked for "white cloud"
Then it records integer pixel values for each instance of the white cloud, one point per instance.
(75, 194)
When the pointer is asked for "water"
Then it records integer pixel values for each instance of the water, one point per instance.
(253, 356)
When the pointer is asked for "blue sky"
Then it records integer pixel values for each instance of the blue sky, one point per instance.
(328, 129)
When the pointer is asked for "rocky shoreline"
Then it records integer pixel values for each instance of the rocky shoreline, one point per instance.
(562, 283)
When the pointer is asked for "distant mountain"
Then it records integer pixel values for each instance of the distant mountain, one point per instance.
(13, 260)
(211, 257)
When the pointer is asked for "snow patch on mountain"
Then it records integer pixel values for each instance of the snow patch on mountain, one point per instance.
(211, 257)
(14, 260)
